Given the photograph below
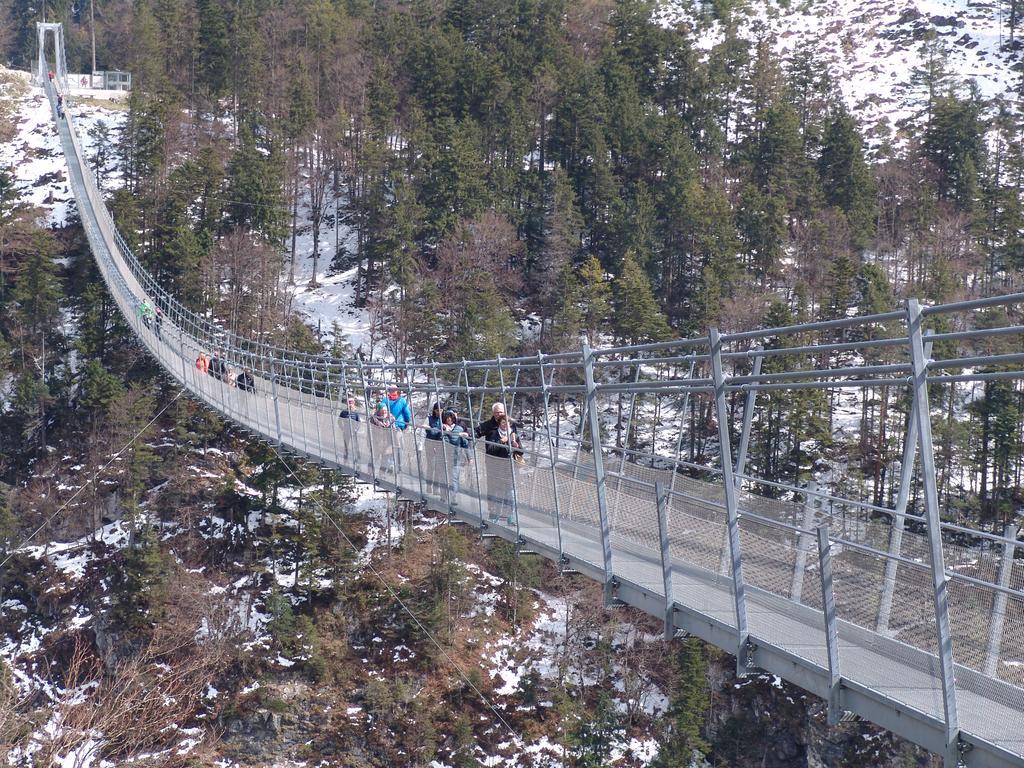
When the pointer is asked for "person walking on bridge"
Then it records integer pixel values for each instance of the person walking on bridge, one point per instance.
(454, 435)
(202, 363)
(503, 452)
(245, 382)
(497, 411)
(398, 406)
(145, 312)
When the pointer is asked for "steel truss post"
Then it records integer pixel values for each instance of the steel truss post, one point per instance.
(599, 477)
(748, 418)
(900, 511)
(741, 454)
(661, 496)
(412, 425)
(444, 450)
(682, 421)
(803, 543)
(277, 407)
(744, 657)
(369, 424)
(551, 454)
(828, 602)
(347, 439)
(473, 441)
(919, 364)
(995, 637)
(511, 454)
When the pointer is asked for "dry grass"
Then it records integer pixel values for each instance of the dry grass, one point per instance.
(114, 105)
(13, 87)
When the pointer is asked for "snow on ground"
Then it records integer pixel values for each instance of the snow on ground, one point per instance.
(876, 49)
(35, 156)
(329, 305)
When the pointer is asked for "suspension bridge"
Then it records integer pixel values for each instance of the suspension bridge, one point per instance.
(875, 603)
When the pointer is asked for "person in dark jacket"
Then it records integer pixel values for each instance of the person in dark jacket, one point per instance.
(217, 368)
(502, 446)
(484, 428)
(433, 452)
(245, 382)
(434, 423)
(350, 411)
(349, 429)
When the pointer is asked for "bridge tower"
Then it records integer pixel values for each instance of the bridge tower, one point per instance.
(42, 67)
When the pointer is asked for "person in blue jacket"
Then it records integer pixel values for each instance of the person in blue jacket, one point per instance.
(399, 407)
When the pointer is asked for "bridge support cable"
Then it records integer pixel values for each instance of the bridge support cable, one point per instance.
(828, 602)
(600, 481)
(744, 657)
(934, 527)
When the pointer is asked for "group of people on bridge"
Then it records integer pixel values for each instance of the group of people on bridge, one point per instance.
(222, 371)
(444, 431)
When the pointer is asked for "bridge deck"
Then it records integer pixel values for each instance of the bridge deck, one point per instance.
(891, 682)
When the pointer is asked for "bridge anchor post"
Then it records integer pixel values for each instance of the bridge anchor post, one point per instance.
(919, 367)
(731, 506)
(828, 603)
(662, 500)
(600, 481)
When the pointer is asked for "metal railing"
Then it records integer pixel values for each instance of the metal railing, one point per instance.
(638, 470)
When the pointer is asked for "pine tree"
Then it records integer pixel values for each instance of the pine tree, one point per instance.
(688, 707)
(139, 579)
(846, 179)
(954, 142)
(841, 285)
(595, 297)
(255, 188)
(638, 318)
(37, 290)
(100, 389)
(563, 231)
(214, 48)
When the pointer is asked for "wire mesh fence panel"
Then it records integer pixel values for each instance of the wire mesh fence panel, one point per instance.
(979, 560)
(1010, 666)
(383, 452)
(499, 490)
(634, 524)
(868, 657)
(698, 531)
(434, 464)
(407, 460)
(970, 622)
(769, 556)
(580, 519)
(858, 580)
